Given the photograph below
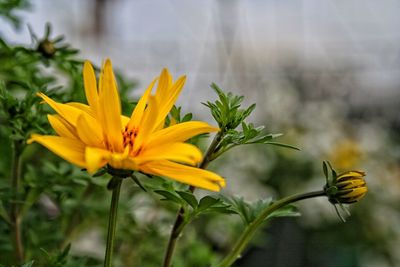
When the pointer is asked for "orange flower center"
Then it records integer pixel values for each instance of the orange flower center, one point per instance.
(129, 136)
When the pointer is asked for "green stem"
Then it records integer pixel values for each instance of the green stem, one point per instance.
(250, 230)
(112, 223)
(179, 224)
(14, 214)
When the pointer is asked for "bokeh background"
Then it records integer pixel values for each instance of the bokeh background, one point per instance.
(324, 73)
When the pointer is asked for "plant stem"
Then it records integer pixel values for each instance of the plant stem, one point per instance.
(14, 213)
(179, 224)
(112, 223)
(250, 230)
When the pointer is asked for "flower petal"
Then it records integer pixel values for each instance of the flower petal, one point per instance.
(67, 112)
(167, 101)
(110, 108)
(89, 131)
(89, 79)
(180, 152)
(180, 132)
(71, 150)
(96, 158)
(137, 113)
(185, 174)
(147, 125)
(164, 83)
(85, 108)
(62, 127)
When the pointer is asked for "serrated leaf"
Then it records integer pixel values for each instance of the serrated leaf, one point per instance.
(188, 198)
(207, 202)
(169, 196)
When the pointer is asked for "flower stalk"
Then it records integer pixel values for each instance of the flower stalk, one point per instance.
(251, 229)
(112, 222)
(15, 216)
(179, 223)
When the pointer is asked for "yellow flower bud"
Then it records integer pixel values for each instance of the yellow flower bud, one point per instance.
(347, 188)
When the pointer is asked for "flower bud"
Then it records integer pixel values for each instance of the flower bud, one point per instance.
(347, 188)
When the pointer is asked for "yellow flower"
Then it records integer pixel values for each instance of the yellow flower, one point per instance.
(348, 188)
(92, 136)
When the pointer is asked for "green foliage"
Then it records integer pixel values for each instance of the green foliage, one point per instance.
(8, 8)
(229, 115)
(206, 204)
(248, 211)
(226, 110)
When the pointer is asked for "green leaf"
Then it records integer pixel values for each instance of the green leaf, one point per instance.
(169, 196)
(207, 202)
(189, 198)
(286, 211)
(136, 180)
(282, 145)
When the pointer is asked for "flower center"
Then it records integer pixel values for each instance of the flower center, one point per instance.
(129, 136)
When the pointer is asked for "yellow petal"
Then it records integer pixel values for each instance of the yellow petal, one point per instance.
(67, 112)
(169, 100)
(124, 122)
(185, 174)
(357, 192)
(71, 150)
(180, 152)
(62, 127)
(85, 108)
(180, 132)
(164, 83)
(89, 131)
(96, 158)
(89, 79)
(137, 113)
(148, 124)
(110, 109)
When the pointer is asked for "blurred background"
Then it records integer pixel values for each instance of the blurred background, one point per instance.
(324, 73)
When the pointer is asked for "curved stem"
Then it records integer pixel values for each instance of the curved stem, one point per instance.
(112, 223)
(179, 223)
(15, 216)
(250, 230)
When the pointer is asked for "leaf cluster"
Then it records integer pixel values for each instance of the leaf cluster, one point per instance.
(249, 211)
(235, 130)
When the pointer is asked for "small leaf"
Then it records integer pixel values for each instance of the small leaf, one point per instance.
(189, 198)
(286, 211)
(136, 180)
(169, 196)
(207, 202)
(325, 169)
(282, 145)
